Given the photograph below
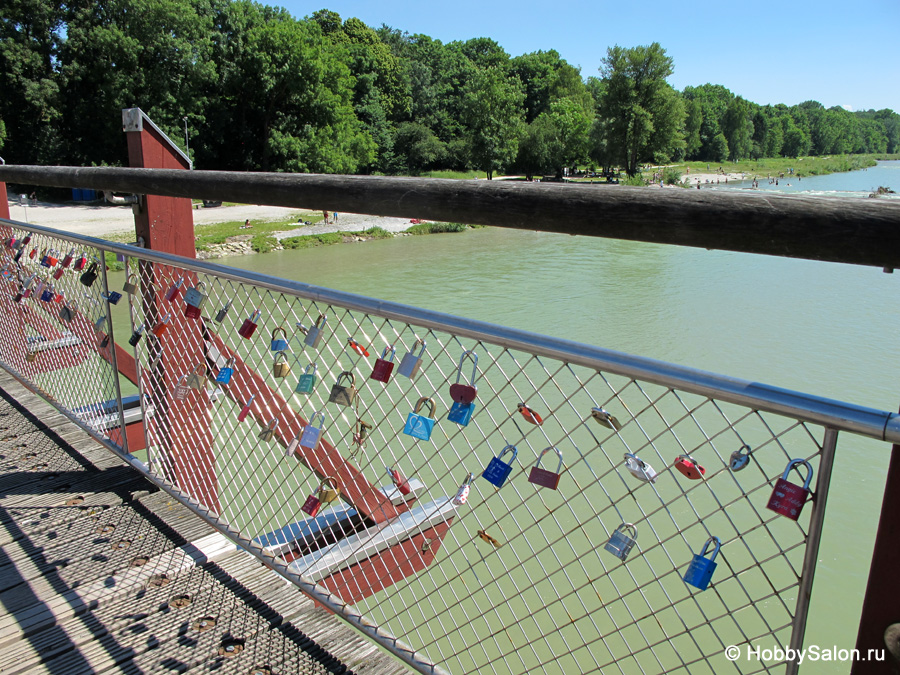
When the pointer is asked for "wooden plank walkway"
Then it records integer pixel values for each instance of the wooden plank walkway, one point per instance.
(101, 573)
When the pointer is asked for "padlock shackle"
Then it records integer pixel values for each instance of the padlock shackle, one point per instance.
(199, 369)
(507, 448)
(413, 348)
(279, 355)
(718, 544)
(280, 328)
(313, 366)
(271, 425)
(423, 401)
(474, 357)
(559, 454)
(630, 455)
(795, 462)
(330, 481)
(385, 351)
(199, 284)
(628, 526)
(321, 415)
(528, 411)
(323, 319)
(229, 363)
(689, 458)
(349, 374)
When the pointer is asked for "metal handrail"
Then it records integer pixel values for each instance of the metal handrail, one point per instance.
(840, 416)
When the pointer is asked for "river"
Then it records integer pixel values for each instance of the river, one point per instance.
(821, 328)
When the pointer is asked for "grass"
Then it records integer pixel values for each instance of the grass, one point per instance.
(804, 166)
(460, 175)
(219, 233)
(329, 238)
(437, 228)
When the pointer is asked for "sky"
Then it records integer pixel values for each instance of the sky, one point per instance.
(776, 51)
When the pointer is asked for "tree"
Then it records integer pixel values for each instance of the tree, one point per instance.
(738, 129)
(644, 114)
(493, 114)
(558, 138)
(417, 148)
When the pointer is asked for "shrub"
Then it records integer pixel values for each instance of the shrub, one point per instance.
(671, 176)
(263, 243)
(437, 228)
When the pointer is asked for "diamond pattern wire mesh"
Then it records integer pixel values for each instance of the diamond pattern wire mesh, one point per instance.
(54, 324)
(516, 579)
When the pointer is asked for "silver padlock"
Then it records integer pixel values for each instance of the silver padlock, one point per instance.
(639, 468)
(410, 363)
(620, 543)
(220, 316)
(181, 389)
(603, 417)
(268, 433)
(314, 334)
(311, 432)
(739, 458)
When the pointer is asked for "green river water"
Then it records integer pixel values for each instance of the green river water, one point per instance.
(820, 328)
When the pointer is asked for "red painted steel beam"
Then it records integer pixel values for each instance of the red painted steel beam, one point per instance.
(167, 224)
(4, 202)
(326, 460)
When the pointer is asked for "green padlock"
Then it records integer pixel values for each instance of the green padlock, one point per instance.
(307, 380)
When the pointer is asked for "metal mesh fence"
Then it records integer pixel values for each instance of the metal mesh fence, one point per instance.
(524, 572)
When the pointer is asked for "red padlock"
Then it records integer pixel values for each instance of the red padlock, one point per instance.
(58, 273)
(248, 328)
(33, 253)
(383, 366)
(788, 499)
(312, 504)
(174, 290)
(358, 348)
(80, 262)
(464, 394)
(163, 325)
(530, 415)
(192, 312)
(242, 415)
(68, 259)
(398, 480)
(689, 467)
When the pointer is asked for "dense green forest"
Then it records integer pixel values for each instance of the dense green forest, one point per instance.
(262, 90)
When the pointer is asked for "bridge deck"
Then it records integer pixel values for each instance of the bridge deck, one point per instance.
(101, 573)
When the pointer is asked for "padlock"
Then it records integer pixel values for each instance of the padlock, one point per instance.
(104, 342)
(181, 389)
(384, 366)
(307, 380)
(174, 290)
(361, 431)
(197, 378)
(358, 348)
(26, 239)
(80, 262)
(194, 297)
(58, 274)
(163, 325)
(70, 256)
(98, 324)
(639, 468)
(222, 313)
(291, 448)
(38, 288)
(248, 328)
(33, 253)
(112, 297)
(497, 470)
(225, 372)
(130, 285)
(136, 336)
(19, 296)
(620, 543)
(89, 276)
(788, 499)
(242, 415)
(341, 394)
(689, 467)
(279, 344)
(314, 334)
(420, 426)
(410, 363)
(543, 477)
(281, 368)
(700, 571)
(530, 415)
(312, 433)
(50, 260)
(461, 413)
(312, 504)
(398, 480)
(462, 494)
(465, 393)
(192, 312)
(58, 297)
(268, 433)
(67, 313)
(18, 256)
(740, 458)
(48, 294)
(31, 357)
(601, 416)
(329, 490)
(11, 242)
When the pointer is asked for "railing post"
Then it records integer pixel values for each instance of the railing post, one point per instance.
(881, 607)
(166, 224)
(4, 200)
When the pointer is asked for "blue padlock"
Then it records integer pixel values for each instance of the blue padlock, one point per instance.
(279, 344)
(461, 413)
(701, 568)
(497, 470)
(47, 295)
(225, 372)
(307, 380)
(420, 426)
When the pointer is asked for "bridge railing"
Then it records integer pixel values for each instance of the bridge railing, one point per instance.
(510, 572)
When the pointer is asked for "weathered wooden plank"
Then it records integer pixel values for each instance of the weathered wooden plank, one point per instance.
(863, 232)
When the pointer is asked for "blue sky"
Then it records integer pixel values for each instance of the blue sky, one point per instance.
(775, 51)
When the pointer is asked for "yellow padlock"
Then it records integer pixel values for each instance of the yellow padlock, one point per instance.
(281, 367)
(329, 494)
(30, 357)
